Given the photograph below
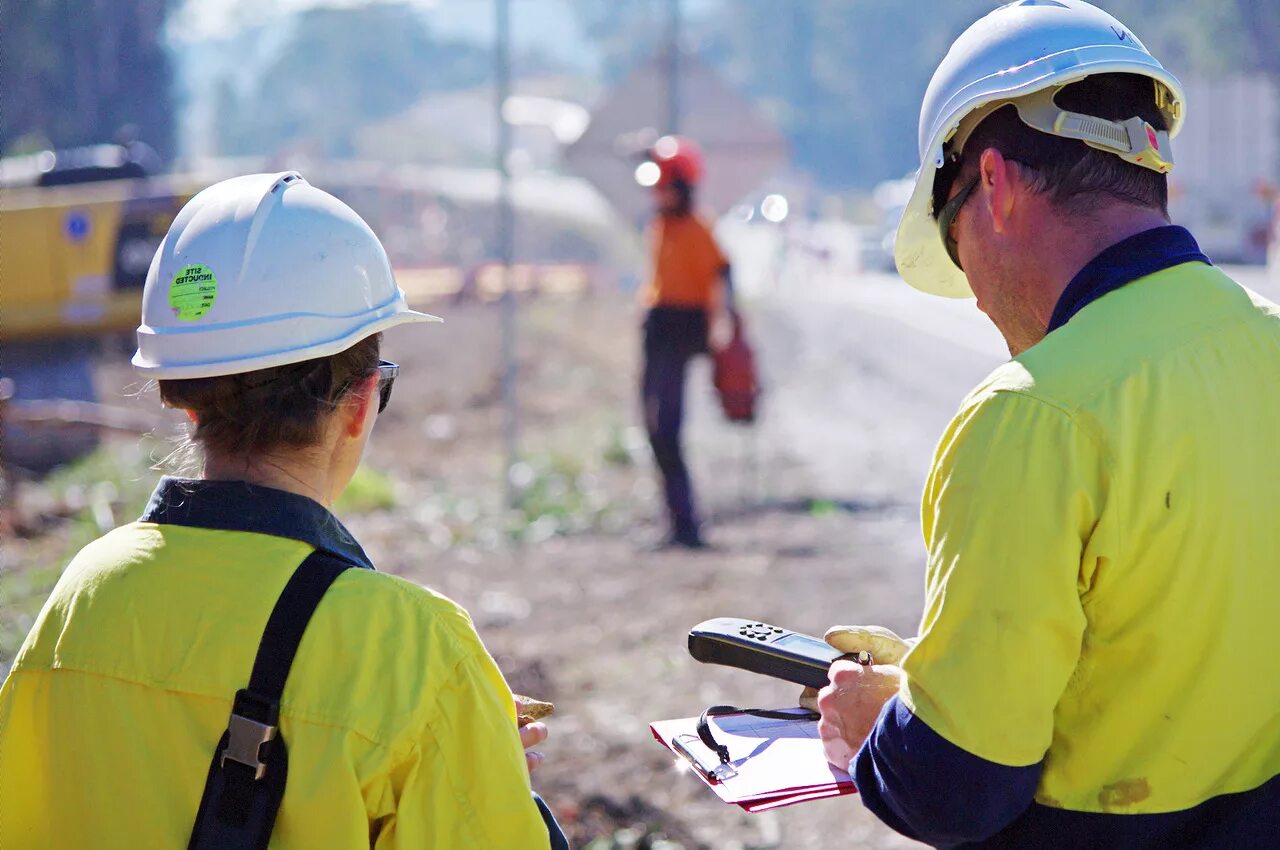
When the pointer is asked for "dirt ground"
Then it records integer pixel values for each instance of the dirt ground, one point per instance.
(562, 589)
(594, 623)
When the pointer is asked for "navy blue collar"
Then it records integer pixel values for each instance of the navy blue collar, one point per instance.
(239, 506)
(1142, 254)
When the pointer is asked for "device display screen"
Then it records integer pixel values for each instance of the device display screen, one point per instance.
(805, 644)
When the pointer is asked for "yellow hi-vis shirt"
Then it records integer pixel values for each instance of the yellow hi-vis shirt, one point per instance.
(1103, 529)
(400, 728)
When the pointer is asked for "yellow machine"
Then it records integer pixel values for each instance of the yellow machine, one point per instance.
(73, 257)
(78, 230)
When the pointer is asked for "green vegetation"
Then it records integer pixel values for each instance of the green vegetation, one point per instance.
(369, 490)
(342, 70)
(555, 496)
(626, 446)
(844, 78)
(22, 594)
(86, 499)
(822, 508)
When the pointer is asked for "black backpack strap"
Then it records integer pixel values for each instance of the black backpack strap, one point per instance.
(246, 779)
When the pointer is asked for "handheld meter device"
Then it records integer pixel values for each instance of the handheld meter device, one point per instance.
(763, 648)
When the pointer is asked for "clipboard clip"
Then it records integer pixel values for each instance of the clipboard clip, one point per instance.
(709, 768)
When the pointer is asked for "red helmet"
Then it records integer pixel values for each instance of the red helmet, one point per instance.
(677, 158)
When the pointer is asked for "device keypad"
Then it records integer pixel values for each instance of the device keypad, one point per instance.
(759, 631)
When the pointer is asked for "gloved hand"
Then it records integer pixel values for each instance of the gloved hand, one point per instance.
(883, 645)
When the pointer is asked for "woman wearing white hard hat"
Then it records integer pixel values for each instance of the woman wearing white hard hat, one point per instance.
(230, 670)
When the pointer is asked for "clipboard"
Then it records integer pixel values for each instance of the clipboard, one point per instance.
(691, 748)
(774, 762)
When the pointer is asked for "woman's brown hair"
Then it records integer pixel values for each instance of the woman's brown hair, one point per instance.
(282, 407)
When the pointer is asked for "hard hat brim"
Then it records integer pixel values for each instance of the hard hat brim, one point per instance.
(918, 251)
(275, 357)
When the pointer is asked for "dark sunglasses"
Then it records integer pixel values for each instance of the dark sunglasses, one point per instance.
(387, 372)
(948, 214)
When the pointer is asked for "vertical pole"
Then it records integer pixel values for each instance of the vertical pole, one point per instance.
(673, 67)
(757, 471)
(502, 61)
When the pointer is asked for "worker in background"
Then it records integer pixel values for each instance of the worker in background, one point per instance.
(1098, 663)
(149, 702)
(686, 304)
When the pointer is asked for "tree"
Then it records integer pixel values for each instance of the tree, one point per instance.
(1260, 21)
(343, 69)
(627, 31)
(1190, 37)
(75, 72)
(844, 78)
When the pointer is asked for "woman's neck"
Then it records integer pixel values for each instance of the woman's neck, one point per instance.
(301, 475)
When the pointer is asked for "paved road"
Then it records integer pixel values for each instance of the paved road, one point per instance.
(862, 371)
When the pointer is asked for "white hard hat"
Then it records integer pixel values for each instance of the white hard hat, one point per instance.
(259, 271)
(1016, 51)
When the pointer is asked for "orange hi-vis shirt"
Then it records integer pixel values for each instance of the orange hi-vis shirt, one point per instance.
(687, 263)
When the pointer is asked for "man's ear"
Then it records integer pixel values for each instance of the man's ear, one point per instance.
(998, 179)
(357, 405)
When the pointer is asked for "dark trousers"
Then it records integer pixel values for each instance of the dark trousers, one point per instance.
(672, 337)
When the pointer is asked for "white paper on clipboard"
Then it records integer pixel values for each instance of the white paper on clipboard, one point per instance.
(773, 759)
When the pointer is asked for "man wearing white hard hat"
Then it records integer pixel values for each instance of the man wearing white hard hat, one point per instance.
(1098, 663)
(229, 671)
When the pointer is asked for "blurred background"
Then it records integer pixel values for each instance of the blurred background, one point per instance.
(492, 144)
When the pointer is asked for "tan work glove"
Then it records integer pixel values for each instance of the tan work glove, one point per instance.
(883, 645)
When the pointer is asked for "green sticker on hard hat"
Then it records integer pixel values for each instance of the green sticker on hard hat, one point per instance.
(192, 292)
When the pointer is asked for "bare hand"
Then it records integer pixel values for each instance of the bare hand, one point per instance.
(850, 705)
(531, 735)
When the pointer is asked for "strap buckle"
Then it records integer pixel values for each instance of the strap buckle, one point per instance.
(246, 735)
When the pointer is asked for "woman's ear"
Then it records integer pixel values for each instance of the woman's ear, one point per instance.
(191, 414)
(358, 405)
